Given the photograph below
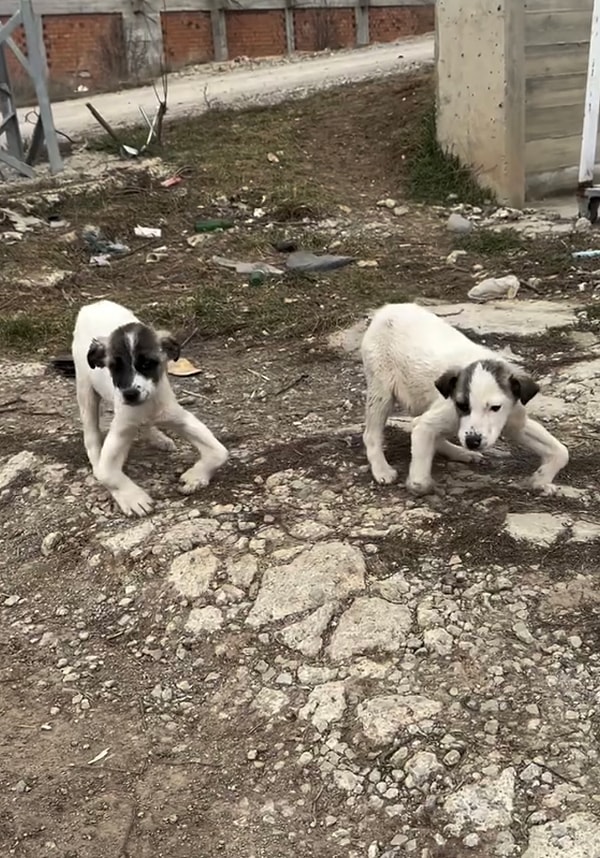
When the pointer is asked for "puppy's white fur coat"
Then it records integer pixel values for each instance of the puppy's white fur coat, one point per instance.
(156, 406)
(410, 355)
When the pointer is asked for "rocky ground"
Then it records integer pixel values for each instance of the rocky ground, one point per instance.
(295, 661)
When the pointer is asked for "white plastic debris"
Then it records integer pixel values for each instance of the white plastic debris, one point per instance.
(147, 232)
(495, 287)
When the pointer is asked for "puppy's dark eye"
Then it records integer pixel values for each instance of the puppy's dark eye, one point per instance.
(463, 407)
(495, 407)
(148, 365)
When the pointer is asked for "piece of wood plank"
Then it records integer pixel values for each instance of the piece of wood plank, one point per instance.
(559, 153)
(554, 28)
(555, 90)
(544, 123)
(542, 60)
(558, 5)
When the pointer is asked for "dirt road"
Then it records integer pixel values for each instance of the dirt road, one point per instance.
(261, 83)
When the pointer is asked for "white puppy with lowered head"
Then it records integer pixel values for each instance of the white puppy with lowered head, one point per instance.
(452, 387)
(122, 361)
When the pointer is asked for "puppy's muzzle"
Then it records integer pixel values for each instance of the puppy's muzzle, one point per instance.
(472, 441)
(131, 396)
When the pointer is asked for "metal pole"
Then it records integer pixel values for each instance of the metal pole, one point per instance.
(592, 104)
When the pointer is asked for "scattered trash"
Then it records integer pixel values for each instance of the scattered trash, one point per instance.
(100, 246)
(272, 158)
(582, 224)
(182, 368)
(102, 260)
(195, 240)
(304, 261)
(147, 232)
(213, 225)
(158, 255)
(454, 256)
(10, 236)
(459, 224)
(388, 203)
(172, 180)
(247, 267)
(257, 278)
(287, 245)
(367, 263)
(495, 287)
(585, 254)
(101, 756)
(400, 211)
(64, 364)
(56, 222)
(21, 223)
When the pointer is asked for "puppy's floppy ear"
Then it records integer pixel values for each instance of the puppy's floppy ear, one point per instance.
(523, 387)
(169, 345)
(96, 356)
(446, 383)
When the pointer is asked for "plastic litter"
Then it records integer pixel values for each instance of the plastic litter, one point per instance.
(495, 287)
(247, 267)
(158, 255)
(147, 232)
(99, 246)
(459, 224)
(302, 260)
(182, 368)
(585, 254)
(212, 225)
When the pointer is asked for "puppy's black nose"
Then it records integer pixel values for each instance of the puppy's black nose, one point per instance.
(131, 395)
(473, 442)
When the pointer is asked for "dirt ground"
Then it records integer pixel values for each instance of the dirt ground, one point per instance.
(293, 661)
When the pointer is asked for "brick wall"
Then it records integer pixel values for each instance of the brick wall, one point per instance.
(320, 29)
(386, 23)
(187, 38)
(84, 47)
(255, 33)
(92, 49)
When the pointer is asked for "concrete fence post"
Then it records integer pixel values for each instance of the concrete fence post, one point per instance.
(290, 30)
(361, 18)
(142, 29)
(219, 30)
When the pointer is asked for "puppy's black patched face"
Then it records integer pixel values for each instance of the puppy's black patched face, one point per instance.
(135, 356)
(484, 394)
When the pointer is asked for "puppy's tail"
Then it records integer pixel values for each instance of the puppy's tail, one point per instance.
(63, 364)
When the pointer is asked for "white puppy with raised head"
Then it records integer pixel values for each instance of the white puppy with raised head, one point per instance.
(451, 387)
(123, 362)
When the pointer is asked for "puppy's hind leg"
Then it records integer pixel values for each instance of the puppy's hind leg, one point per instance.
(380, 402)
(159, 440)
(212, 453)
(89, 410)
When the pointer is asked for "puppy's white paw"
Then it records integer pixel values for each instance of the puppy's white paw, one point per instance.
(420, 487)
(133, 501)
(385, 475)
(160, 441)
(192, 479)
(543, 487)
(475, 457)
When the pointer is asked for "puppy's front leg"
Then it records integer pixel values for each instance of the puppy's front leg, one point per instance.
(89, 411)
(131, 499)
(554, 455)
(422, 448)
(213, 454)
